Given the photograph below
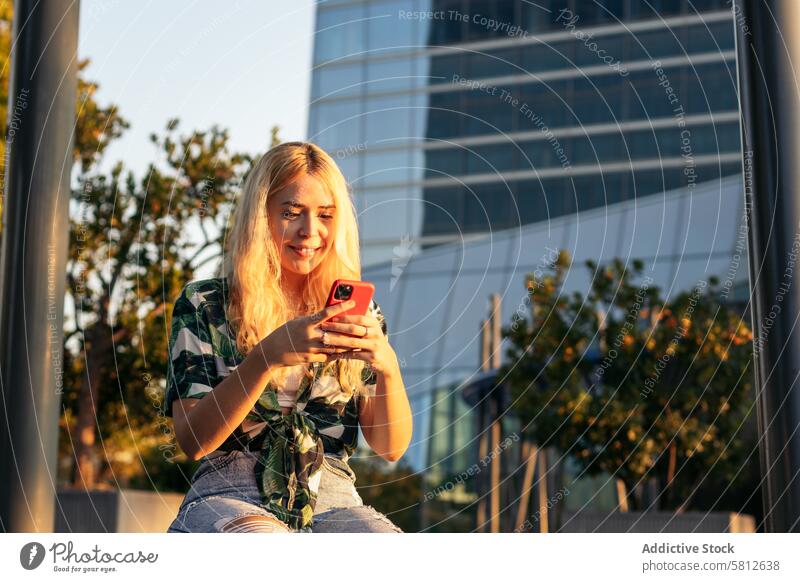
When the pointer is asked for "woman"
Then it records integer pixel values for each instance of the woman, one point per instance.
(266, 385)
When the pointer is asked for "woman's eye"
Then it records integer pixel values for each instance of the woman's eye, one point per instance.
(326, 216)
(290, 214)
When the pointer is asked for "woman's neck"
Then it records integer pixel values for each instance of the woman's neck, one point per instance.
(297, 304)
(293, 287)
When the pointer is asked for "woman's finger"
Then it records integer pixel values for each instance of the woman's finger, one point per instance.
(366, 320)
(332, 311)
(351, 355)
(348, 328)
(327, 350)
(341, 340)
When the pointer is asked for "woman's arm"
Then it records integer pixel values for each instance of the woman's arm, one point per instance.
(202, 425)
(385, 418)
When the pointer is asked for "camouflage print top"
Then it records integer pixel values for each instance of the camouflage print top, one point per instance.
(324, 420)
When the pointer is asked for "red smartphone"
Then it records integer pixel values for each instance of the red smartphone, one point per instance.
(344, 290)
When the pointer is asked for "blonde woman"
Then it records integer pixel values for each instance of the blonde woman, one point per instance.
(266, 385)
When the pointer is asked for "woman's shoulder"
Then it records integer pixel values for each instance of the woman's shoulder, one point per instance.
(208, 295)
(201, 309)
(204, 289)
(200, 291)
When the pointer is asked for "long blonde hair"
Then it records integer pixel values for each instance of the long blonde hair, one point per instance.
(258, 304)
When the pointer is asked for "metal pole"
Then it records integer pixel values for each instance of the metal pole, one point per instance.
(496, 427)
(483, 428)
(767, 45)
(41, 116)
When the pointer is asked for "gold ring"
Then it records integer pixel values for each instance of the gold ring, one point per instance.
(324, 338)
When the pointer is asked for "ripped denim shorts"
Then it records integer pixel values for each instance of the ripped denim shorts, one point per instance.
(224, 497)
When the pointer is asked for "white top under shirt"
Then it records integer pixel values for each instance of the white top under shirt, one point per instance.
(287, 394)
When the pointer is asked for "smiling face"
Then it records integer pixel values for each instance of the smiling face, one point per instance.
(301, 218)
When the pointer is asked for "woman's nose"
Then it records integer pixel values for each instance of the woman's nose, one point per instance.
(308, 227)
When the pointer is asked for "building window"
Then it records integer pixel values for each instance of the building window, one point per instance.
(340, 33)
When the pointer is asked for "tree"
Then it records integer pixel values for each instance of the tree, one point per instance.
(133, 245)
(629, 384)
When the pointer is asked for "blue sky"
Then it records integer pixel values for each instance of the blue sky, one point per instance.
(243, 64)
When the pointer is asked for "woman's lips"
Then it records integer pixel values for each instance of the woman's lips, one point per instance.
(306, 253)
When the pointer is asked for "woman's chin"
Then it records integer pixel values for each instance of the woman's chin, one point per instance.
(301, 267)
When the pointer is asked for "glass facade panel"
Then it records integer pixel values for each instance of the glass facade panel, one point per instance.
(539, 154)
(349, 164)
(712, 139)
(719, 36)
(591, 52)
(387, 119)
(446, 30)
(532, 198)
(594, 100)
(387, 30)
(490, 18)
(340, 33)
(337, 81)
(655, 44)
(418, 111)
(595, 13)
(491, 159)
(390, 75)
(711, 88)
(443, 210)
(375, 253)
(593, 149)
(699, 6)
(540, 16)
(385, 167)
(338, 124)
(385, 216)
(487, 113)
(547, 57)
(492, 64)
(488, 207)
(444, 162)
(444, 115)
(655, 8)
(444, 66)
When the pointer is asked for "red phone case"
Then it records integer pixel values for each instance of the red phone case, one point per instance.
(362, 294)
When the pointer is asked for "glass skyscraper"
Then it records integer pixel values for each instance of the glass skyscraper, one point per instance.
(478, 134)
(451, 118)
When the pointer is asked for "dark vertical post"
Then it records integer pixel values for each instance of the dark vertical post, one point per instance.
(768, 52)
(483, 429)
(496, 426)
(41, 116)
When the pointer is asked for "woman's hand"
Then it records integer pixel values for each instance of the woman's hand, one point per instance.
(363, 338)
(385, 417)
(299, 341)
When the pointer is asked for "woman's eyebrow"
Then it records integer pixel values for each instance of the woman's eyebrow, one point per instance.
(296, 204)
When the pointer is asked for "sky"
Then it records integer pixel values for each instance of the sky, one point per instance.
(242, 64)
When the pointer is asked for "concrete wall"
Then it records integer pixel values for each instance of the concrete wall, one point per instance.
(124, 510)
